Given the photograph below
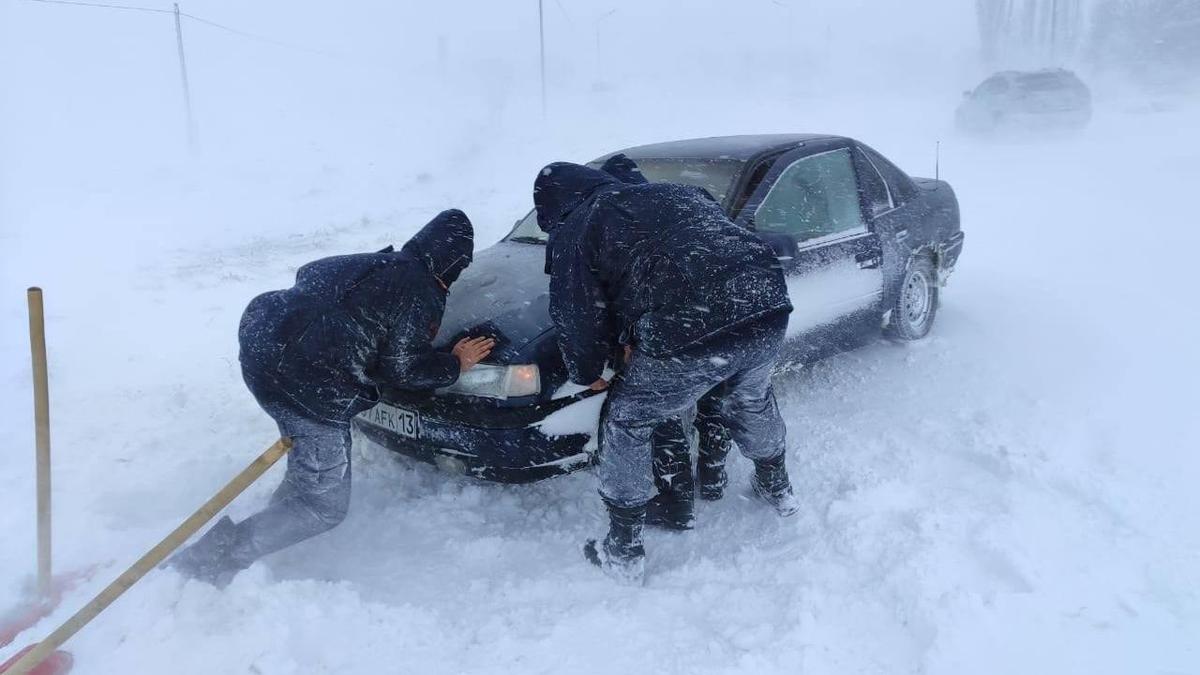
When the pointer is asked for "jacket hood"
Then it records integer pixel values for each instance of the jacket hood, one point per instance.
(622, 168)
(562, 187)
(445, 245)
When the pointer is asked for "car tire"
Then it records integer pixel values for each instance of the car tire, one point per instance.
(916, 304)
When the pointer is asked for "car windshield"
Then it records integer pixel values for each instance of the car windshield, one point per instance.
(715, 175)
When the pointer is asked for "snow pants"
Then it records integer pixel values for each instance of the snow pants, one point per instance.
(733, 372)
(313, 497)
(672, 460)
(315, 493)
(673, 470)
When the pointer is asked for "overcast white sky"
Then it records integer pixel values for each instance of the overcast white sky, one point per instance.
(94, 86)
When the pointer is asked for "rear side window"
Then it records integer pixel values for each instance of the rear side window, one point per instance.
(876, 195)
(898, 182)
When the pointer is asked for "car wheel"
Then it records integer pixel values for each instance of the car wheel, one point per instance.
(917, 302)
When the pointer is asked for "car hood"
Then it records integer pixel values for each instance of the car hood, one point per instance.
(504, 294)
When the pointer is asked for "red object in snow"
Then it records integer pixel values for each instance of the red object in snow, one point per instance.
(15, 623)
(23, 618)
(56, 664)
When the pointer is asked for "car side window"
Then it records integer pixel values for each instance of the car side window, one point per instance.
(814, 199)
(898, 182)
(876, 195)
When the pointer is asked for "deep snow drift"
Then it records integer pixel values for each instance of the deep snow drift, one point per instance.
(1013, 494)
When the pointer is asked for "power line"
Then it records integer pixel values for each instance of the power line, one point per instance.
(193, 17)
(564, 13)
(251, 36)
(104, 5)
(187, 90)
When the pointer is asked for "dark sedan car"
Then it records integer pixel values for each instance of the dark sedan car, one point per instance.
(864, 246)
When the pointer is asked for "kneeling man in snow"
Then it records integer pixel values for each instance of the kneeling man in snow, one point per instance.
(704, 307)
(315, 355)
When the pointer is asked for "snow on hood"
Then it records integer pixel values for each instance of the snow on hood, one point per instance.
(445, 245)
(498, 292)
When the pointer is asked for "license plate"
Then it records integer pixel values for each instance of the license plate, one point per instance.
(400, 421)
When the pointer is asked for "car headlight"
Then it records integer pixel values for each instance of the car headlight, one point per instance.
(497, 381)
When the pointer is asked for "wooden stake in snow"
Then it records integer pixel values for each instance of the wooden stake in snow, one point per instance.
(41, 419)
(151, 559)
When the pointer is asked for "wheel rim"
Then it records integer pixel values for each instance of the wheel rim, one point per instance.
(916, 300)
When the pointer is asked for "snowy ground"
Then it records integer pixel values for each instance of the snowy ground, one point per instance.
(1014, 494)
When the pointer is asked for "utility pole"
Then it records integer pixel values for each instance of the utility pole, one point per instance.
(441, 56)
(1053, 40)
(187, 94)
(599, 53)
(542, 46)
(599, 50)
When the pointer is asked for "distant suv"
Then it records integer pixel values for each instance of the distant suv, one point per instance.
(1026, 101)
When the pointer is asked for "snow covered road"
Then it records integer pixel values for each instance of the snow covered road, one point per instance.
(1014, 494)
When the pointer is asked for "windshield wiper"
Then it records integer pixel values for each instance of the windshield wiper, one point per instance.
(527, 240)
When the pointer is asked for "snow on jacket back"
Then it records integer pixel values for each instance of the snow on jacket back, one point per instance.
(654, 265)
(352, 323)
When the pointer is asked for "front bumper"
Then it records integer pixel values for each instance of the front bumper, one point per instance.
(491, 443)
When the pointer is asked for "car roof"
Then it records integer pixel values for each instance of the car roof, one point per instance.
(722, 147)
(1022, 74)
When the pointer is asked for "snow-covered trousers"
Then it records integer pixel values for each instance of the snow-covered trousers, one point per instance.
(714, 437)
(314, 495)
(672, 460)
(735, 369)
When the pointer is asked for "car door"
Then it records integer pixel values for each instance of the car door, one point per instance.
(888, 198)
(808, 207)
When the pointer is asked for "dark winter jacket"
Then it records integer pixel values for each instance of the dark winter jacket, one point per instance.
(355, 322)
(654, 265)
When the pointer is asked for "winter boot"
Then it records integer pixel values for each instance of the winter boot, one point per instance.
(771, 483)
(712, 478)
(621, 556)
(715, 444)
(673, 508)
(211, 558)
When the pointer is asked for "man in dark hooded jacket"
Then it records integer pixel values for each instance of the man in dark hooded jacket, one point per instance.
(703, 305)
(673, 506)
(315, 355)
